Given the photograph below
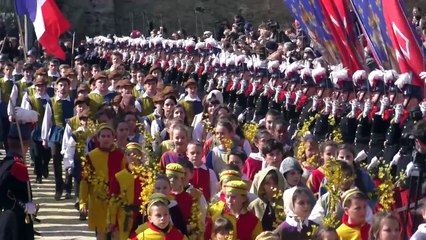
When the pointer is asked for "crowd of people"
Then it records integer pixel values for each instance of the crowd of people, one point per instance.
(245, 134)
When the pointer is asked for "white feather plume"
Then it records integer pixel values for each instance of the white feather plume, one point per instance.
(358, 76)
(375, 75)
(403, 79)
(390, 76)
(26, 116)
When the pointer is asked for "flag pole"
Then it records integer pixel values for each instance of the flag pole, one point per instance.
(72, 50)
(21, 33)
(4, 42)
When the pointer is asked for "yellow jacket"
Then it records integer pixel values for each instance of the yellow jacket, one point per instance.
(151, 233)
(98, 168)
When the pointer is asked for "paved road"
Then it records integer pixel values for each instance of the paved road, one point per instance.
(59, 219)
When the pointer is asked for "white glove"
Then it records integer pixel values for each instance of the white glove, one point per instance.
(399, 111)
(354, 106)
(243, 87)
(335, 106)
(30, 208)
(176, 62)
(423, 76)
(182, 63)
(396, 158)
(197, 66)
(235, 83)
(287, 97)
(314, 103)
(408, 169)
(277, 93)
(206, 67)
(163, 64)
(299, 94)
(384, 103)
(328, 103)
(253, 91)
(266, 89)
(374, 163)
(422, 106)
(242, 117)
(361, 156)
(367, 108)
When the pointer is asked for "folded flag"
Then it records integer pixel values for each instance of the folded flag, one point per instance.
(49, 23)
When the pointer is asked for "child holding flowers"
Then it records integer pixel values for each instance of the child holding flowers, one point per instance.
(307, 154)
(99, 168)
(253, 163)
(328, 151)
(216, 158)
(176, 174)
(126, 187)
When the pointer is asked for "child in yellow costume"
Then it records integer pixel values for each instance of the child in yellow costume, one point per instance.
(99, 168)
(125, 189)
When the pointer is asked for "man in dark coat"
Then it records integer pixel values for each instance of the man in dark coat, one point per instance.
(15, 191)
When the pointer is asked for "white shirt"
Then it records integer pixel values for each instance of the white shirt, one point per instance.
(420, 234)
(191, 99)
(26, 102)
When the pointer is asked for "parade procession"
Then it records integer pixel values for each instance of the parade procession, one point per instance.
(308, 129)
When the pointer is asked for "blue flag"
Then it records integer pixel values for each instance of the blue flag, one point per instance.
(373, 25)
(311, 19)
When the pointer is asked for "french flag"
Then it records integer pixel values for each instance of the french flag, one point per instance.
(49, 23)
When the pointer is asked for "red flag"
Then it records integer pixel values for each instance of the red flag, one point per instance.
(337, 19)
(409, 52)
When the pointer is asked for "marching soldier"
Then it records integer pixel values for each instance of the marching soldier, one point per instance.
(15, 190)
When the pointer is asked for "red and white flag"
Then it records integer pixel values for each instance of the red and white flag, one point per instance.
(409, 51)
(49, 23)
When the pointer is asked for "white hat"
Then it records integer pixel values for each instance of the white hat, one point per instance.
(216, 94)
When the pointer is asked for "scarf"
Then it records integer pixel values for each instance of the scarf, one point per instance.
(291, 218)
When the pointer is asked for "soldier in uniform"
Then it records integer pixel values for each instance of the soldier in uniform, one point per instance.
(16, 204)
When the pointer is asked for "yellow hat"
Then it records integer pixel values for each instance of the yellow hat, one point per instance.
(133, 145)
(229, 175)
(236, 186)
(349, 193)
(155, 200)
(160, 196)
(175, 169)
(104, 126)
(267, 235)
